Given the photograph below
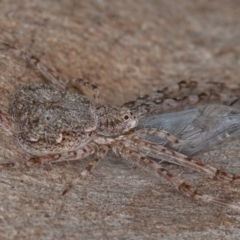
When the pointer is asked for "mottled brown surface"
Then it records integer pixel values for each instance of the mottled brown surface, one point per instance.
(127, 48)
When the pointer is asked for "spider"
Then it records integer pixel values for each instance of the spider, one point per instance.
(54, 124)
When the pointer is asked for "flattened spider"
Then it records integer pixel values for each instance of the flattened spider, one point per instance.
(54, 125)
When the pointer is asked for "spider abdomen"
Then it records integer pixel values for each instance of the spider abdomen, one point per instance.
(51, 120)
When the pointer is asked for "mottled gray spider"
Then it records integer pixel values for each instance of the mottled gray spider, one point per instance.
(54, 124)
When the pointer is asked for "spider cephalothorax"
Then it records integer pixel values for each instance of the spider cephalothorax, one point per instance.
(114, 121)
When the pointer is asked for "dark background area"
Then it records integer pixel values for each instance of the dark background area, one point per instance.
(127, 48)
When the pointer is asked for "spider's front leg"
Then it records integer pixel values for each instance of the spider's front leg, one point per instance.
(165, 99)
(162, 134)
(158, 151)
(164, 93)
(138, 158)
(6, 123)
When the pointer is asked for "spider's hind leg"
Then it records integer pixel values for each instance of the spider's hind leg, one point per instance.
(53, 158)
(6, 123)
(48, 73)
(78, 82)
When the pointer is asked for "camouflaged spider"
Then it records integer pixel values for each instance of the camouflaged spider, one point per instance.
(53, 124)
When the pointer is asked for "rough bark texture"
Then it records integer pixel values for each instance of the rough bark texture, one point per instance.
(127, 48)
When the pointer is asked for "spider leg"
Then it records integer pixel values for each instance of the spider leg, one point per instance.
(49, 74)
(139, 159)
(53, 158)
(77, 82)
(158, 151)
(102, 151)
(162, 105)
(164, 93)
(164, 99)
(6, 124)
(158, 133)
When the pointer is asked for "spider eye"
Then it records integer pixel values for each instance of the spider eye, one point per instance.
(126, 117)
(48, 117)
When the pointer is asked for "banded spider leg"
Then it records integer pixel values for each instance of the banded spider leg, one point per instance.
(138, 152)
(165, 99)
(50, 75)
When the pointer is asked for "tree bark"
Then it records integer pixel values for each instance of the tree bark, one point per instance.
(127, 48)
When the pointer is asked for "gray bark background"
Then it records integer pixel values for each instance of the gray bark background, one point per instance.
(128, 48)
